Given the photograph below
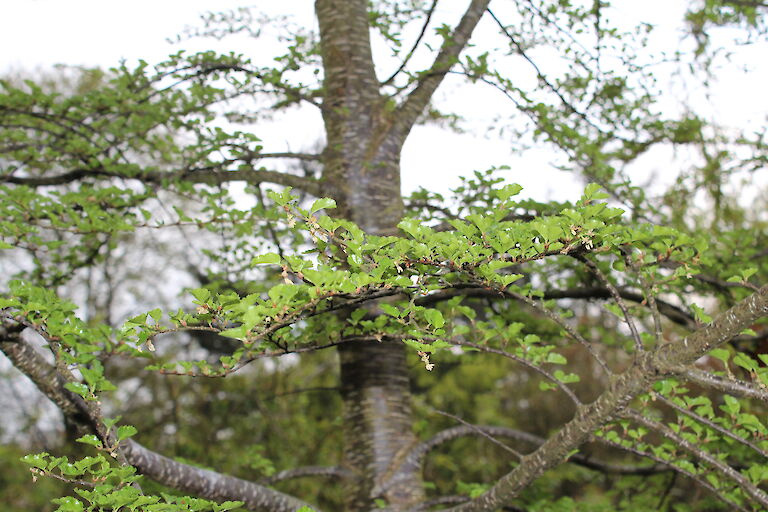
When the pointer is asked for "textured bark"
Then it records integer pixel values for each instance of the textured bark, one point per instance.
(377, 425)
(362, 173)
(730, 386)
(208, 484)
(44, 375)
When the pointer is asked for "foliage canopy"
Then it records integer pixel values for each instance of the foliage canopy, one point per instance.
(368, 340)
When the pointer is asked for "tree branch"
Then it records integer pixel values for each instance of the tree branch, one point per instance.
(289, 474)
(746, 3)
(207, 484)
(711, 424)
(670, 311)
(200, 482)
(743, 482)
(251, 176)
(418, 454)
(309, 157)
(617, 299)
(541, 371)
(415, 44)
(208, 176)
(448, 55)
(695, 478)
(733, 387)
(647, 368)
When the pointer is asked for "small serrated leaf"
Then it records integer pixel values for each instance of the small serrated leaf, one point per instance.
(126, 431)
(322, 204)
(89, 439)
(434, 317)
(269, 258)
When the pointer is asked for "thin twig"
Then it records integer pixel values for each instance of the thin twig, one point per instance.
(617, 298)
(415, 44)
(714, 426)
(481, 433)
(725, 470)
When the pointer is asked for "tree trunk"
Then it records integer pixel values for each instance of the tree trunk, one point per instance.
(362, 172)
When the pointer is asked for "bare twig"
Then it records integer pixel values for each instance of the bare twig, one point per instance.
(415, 44)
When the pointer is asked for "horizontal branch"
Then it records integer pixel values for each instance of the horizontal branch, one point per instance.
(670, 311)
(207, 176)
(309, 157)
(289, 474)
(252, 177)
(420, 451)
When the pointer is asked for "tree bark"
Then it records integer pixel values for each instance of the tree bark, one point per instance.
(362, 172)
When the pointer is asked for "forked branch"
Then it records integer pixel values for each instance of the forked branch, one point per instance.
(190, 479)
(647, 368)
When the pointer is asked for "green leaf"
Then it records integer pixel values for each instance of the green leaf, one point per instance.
(390, 310)
(125, 431)
(745, 362)
(700, 314)
(592, 191)
(508, 191)
(68, 504)
(555, 358)
(229, 505)
(78, 388)
(434, 317)
(156, 315)
(37, 460)
(281, 198)
(422, 347)
(201, 294)
(721, 354)
(237, 333)
(269, 258)
(322, 204)
(89, 439)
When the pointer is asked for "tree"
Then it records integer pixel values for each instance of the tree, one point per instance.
(397, 288)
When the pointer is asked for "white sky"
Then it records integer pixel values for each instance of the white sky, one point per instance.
(40, 33)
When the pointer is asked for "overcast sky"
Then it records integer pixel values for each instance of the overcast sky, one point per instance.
(40, 33)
